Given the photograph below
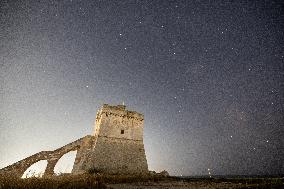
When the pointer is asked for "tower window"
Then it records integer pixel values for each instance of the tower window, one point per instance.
(122, 132)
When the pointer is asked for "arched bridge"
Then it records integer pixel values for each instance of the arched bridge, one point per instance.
(81, 145)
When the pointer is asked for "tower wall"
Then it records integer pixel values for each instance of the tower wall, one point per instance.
(118, 146)
(119, 156)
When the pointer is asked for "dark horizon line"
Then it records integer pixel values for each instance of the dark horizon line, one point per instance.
(233, 176)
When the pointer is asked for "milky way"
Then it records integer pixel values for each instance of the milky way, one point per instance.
(207, 75)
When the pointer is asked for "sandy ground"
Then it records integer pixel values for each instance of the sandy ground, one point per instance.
(177, 185)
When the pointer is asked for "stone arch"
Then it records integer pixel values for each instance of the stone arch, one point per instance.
(33, 170)
(56, 155)
(69, 156)
(17, 169)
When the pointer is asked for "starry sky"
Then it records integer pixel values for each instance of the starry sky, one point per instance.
(207, 75)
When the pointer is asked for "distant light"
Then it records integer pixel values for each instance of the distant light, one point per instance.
(267, 141)
(87, 86)
(231, 136)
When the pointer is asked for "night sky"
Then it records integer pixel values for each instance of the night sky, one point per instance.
(207, 75)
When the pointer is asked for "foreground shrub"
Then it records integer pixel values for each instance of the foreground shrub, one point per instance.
(62, 182)
(68, 181)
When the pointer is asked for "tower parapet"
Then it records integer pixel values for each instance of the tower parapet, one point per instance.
(120, 110)
(118, 122)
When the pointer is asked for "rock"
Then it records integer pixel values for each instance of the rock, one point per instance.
(164, 173)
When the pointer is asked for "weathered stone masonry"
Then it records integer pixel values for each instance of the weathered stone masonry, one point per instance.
(116, 147)
(52, 157)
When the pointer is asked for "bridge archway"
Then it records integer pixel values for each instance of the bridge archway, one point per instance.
(35, 170)
(65, 163)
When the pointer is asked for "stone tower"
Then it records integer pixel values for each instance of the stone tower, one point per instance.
(118, 143)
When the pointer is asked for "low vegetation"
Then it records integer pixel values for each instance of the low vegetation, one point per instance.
(91, 181)
(62, 182)
(68, 181)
